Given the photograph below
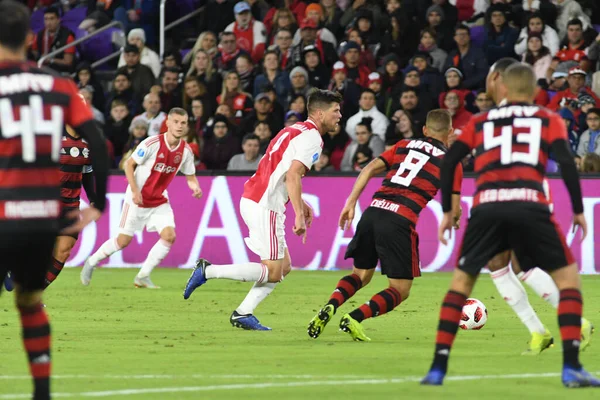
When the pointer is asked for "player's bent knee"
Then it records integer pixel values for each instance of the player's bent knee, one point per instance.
(567, 277)
(462, 282)
(28, 299)
(63, 255)
(287, 268)
(168, 236)
(365, 275)
(124, 240)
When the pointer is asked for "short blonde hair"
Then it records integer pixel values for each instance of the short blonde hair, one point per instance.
(520, 79)
(439, 121)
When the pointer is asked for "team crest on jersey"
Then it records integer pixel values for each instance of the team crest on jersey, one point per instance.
(315, 157)
(86, 152)
(177, 158)
(239, 102)
(74, 152)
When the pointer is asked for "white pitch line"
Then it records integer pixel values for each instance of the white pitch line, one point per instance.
(267, 385)
(221, 376)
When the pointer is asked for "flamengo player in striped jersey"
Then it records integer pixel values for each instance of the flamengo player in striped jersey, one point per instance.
(35, 103)
(277, 180)
(508, 278)
(149, 171)
(510, 212)
(386, 230)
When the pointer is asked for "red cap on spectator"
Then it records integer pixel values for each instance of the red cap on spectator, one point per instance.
(339, 67)
(576, 70)
(374, 77)
(308, 23)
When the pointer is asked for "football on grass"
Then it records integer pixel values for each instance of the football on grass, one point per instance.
(474, 315)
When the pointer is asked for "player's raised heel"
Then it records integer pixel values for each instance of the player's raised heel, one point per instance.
(539, 342)
(197, 279)
(586, 334)
(319, 322)
(434, 378)
(144, 282)
(86, 273)
(354, 328)
(248, 322)
(573, 378)
(8, 283)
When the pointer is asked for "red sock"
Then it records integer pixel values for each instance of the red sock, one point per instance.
(570, 308)
(449, 319)
(36, 338)
(346, 288)
(53, 272)
(383, 302)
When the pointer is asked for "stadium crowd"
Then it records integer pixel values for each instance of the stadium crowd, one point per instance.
(254, 62)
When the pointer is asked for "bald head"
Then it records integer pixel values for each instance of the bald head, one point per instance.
(494, 84)
(520, 81)
(152, 103)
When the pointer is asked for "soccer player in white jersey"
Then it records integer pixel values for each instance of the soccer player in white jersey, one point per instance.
(507, 278)
(277, 180)
(149, 171)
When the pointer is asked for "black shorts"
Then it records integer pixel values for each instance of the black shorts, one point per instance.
(385, 236)
(65, 222)
(27, 255)
(529, 229)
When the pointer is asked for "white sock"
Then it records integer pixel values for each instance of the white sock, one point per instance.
(542, 284)
(514, 294)
(157, 253)
(247, 272)
(106, 250)
(255, 296)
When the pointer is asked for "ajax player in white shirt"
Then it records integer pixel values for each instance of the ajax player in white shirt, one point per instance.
(277, 180)
(149, 171)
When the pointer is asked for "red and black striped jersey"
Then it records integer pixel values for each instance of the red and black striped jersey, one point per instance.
(35, 105)
(512, 145)
(74, 162)
(413, 176)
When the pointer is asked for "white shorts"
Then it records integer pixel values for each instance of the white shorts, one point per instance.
(267, 230)
(134, 218)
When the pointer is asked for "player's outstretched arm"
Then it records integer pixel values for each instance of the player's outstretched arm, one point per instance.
(293, 183)
(129, 168)
(194, 186)
(456, 210)
(87, 181)
(375, 167)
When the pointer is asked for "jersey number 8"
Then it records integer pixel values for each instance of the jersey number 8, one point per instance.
(505, 140)
(413, 163)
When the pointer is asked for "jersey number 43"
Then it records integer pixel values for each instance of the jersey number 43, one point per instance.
(532, 138)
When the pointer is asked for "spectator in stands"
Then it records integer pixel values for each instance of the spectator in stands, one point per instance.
(569, 119)
(308, 34)
(590, 163)
(428, 44)
(332, 14)
(323, 164)
(577, 85)
(589, 141)
(455, 104)
(277, 107)
(206, 41)
(391, 77)
(88, 94)
(430, 76)
(410, 102)
(450, 12)
(500, 38)
(172, 59)
(412, 80)
(138, 132)
(122, 90)
(139, 14)
(538, 56)
(297, 7)
(545, 9)
(314, 12)
(198, 117)
(318, 73)
(232, 94)
(85, 77)
(249, 159)
(51, 38)
(483, 101)
(558, 81)
(226, 57)
(251, 35)
(366, 58)
(152, 114)
(216, 16)
(436, 21)
(195, 143)
(193, 89)
(400, 39)
(335, 143)
(364, 136)
(264, 134)
(170, 93)
(354, 71)
(363, 23)
(142, 78)
(284, 19)
(535, 24)
(368, 109)
(273, 74)
(148, 57)
(116, 127)
(401, 127)
(221, 146)
(299, 81)
(246, 71)
(357, 6)
(283, 46)
(384, 99)
(298, 105)
(469, 59)
(586, 104)
(291, 118)
(262, 112)
(567, 11)
(574, 46)
(454, 78)
(203, 70)
(349, 90)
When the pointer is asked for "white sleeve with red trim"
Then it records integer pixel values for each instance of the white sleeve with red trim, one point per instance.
(259, 32)
(146, 150)
(308, 147)
(187, 165)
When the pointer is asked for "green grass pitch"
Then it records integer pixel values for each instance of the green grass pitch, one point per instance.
(113, 341)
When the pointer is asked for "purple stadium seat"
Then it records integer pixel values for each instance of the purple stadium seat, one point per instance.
(184, 52)
(477, 36)
(37, 20)
(98, 46)
(597, 28)
(75, 16)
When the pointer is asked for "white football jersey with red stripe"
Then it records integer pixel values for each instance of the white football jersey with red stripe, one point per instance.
(301, 141)
(157, 166)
